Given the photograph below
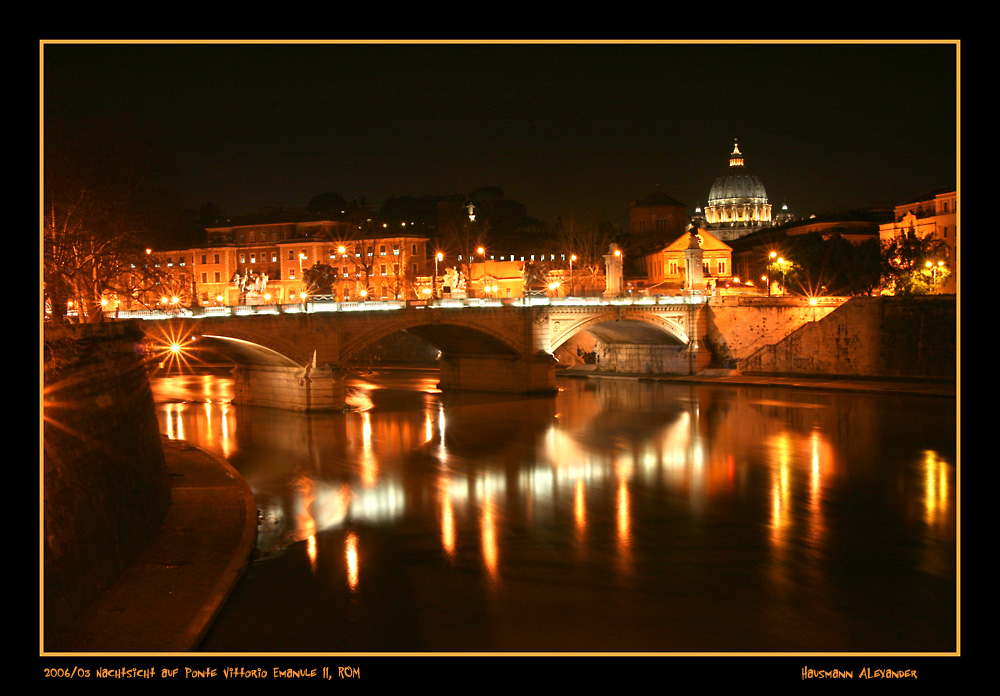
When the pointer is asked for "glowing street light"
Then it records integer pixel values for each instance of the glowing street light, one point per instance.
(437, 259)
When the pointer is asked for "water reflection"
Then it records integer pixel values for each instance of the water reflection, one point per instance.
(741, 518)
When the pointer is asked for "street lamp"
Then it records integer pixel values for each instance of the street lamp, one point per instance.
(482, 252)
(437, 259)
(934, 271)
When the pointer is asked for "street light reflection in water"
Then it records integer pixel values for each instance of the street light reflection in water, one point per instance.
(709, 510)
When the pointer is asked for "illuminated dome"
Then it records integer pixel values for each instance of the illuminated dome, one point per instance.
(737, 203)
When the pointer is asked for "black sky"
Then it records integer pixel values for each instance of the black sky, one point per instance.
(567, 129)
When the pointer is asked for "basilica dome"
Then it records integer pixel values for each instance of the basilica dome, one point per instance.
(737, 200)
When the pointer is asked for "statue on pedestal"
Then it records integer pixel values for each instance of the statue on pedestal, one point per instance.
(613, 271)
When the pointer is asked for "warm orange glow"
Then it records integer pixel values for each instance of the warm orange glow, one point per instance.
(491, 552)
(447, 518)
(579, 506)
(351, 551)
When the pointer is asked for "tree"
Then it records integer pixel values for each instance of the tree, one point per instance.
(328, 202)
(910, 264)
(98, 199)
(588, 243)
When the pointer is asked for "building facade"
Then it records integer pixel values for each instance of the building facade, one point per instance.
(666, 271)
(935, 215)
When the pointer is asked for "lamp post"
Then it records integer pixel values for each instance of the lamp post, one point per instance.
(437, 259)
(768, 276)
(934, 271)
(482, 252)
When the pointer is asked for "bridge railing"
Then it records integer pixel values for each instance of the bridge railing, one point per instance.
(330, 305)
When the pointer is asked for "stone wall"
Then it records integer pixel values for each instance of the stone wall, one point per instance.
(737, 327)
(869, 337)
(105, 488)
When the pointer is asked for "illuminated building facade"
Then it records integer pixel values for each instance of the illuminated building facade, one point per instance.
(934, 214)
(737, 202)
(666, 270)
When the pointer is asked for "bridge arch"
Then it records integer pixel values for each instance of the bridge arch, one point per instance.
(458, 333)
(623, 327)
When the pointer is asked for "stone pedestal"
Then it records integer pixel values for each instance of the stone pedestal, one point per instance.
(292, 388)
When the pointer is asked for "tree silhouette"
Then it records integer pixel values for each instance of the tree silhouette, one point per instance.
(98, 202)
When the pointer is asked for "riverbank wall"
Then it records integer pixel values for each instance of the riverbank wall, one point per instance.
(888, 337)
(105, 486)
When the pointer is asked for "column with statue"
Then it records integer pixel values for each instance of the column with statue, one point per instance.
(694, 273)
(613, 272)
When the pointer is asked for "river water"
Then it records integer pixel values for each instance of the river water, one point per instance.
(620, 515)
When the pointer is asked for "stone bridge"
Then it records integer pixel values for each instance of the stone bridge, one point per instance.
(288, 357)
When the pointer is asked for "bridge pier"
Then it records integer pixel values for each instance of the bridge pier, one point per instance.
(514, 374)
(293, 388)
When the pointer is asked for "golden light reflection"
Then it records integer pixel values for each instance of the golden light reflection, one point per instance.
(228, 441)
(311, 552)
(447, 517)
(305, 522)
(351, 553)
(936, 502)
(174, 423)
(491, 553)
(369, 462)
(623, 517)
(580, 508)
(780, 501)
(820, 462)
(428, 427)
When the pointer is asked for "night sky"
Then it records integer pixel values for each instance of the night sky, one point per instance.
(575, 130)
